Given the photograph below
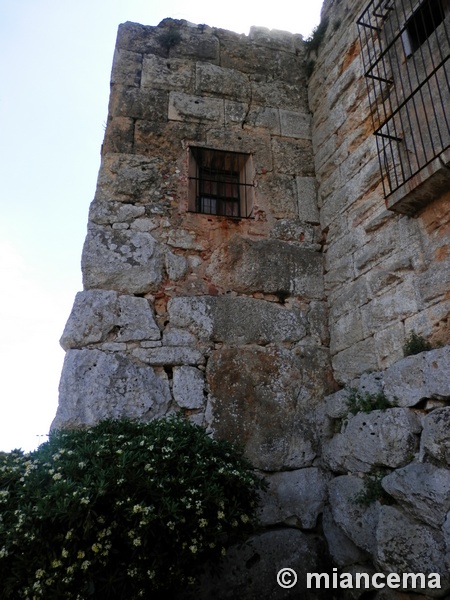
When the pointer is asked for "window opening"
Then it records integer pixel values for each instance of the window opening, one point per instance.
(220, 183)
(405, 48)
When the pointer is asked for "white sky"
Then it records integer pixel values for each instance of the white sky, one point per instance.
(55, 63)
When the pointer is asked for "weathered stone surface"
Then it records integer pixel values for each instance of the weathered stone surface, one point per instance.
(195, 108)
(435, 439)
(380, 438)
(405, 381)
(218, 81)
(169, 356)
(407, 546)
(269, 266)
(357, 521)
(295, 124)
(265, 399)
(100, 315)
(126, 261)
(342, 550)
(337, 404)
(250, 571)
(159, 73)
(237, 320)
(188, 387)
(353, 361)
(423, 490)
(307, 199)
(96, 385)
(295, 498)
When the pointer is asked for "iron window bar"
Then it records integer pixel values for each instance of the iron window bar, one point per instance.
(221, 183)
(407, 84)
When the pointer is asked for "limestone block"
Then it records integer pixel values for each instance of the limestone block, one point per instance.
(195, 44)
(294, 230)
(405, 382)
(188, 387)
(96, 385)
(250, 321)
(192, 313)
(135, 320)
(175, 265)
(337, 404)
(280, 94)
(307, 199)
(343, 551)
(173, 74)
(351, 297)
(380, 438)
(178, 337)
(102, 212)
(318, 322)
(169, 356)
(346, 331)
(353, 361)
(263, 116)
(423, 490)
(407, 546)
(138, 103)
(268, 266)
(266, 400)
(435, 439)
(358, 522)
(181, 238)
(119, 135)
(184, 107)
(126, 261)
(295, 498)
(436, 372)
(126, 68)
(389, 344)
(218, 81)
(369, 383)
(295, 124)
(128, 178)
(279, 193)
(250, 570)
(293, 157)
(100, 315)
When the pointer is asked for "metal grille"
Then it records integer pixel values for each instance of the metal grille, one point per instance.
(221, 186)
(405, 49)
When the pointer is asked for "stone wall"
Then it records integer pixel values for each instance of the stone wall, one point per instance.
(386, 274)
(245, 325)
(191, 311)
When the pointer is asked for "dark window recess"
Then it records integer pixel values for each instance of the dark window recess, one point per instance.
(423, 22)
(405, 47)
(220, 183)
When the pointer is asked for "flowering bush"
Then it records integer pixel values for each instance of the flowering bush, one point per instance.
(121, 510)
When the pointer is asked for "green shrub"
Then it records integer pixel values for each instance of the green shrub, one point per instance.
(366, 402)
(415, 343)
(120, 510)
(317, 36)
(373, 491)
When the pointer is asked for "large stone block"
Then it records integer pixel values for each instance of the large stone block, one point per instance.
(102, 315)
(295, 498)
(406, 546)
(265, 399)
(127, 261)
(96, 385)
(188, 387)
(343, 551)
(435, 439)
(423, 490)
(357, 521)
(250, 570)
(269, 266)
(214, 80)
(386, 438)
(173, 74)
(195, 108)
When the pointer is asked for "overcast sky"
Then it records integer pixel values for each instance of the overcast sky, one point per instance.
(55, 63)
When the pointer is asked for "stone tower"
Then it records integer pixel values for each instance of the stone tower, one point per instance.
(252, 247)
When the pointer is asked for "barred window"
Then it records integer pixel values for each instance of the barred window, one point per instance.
(405, 48)
(220, 183)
